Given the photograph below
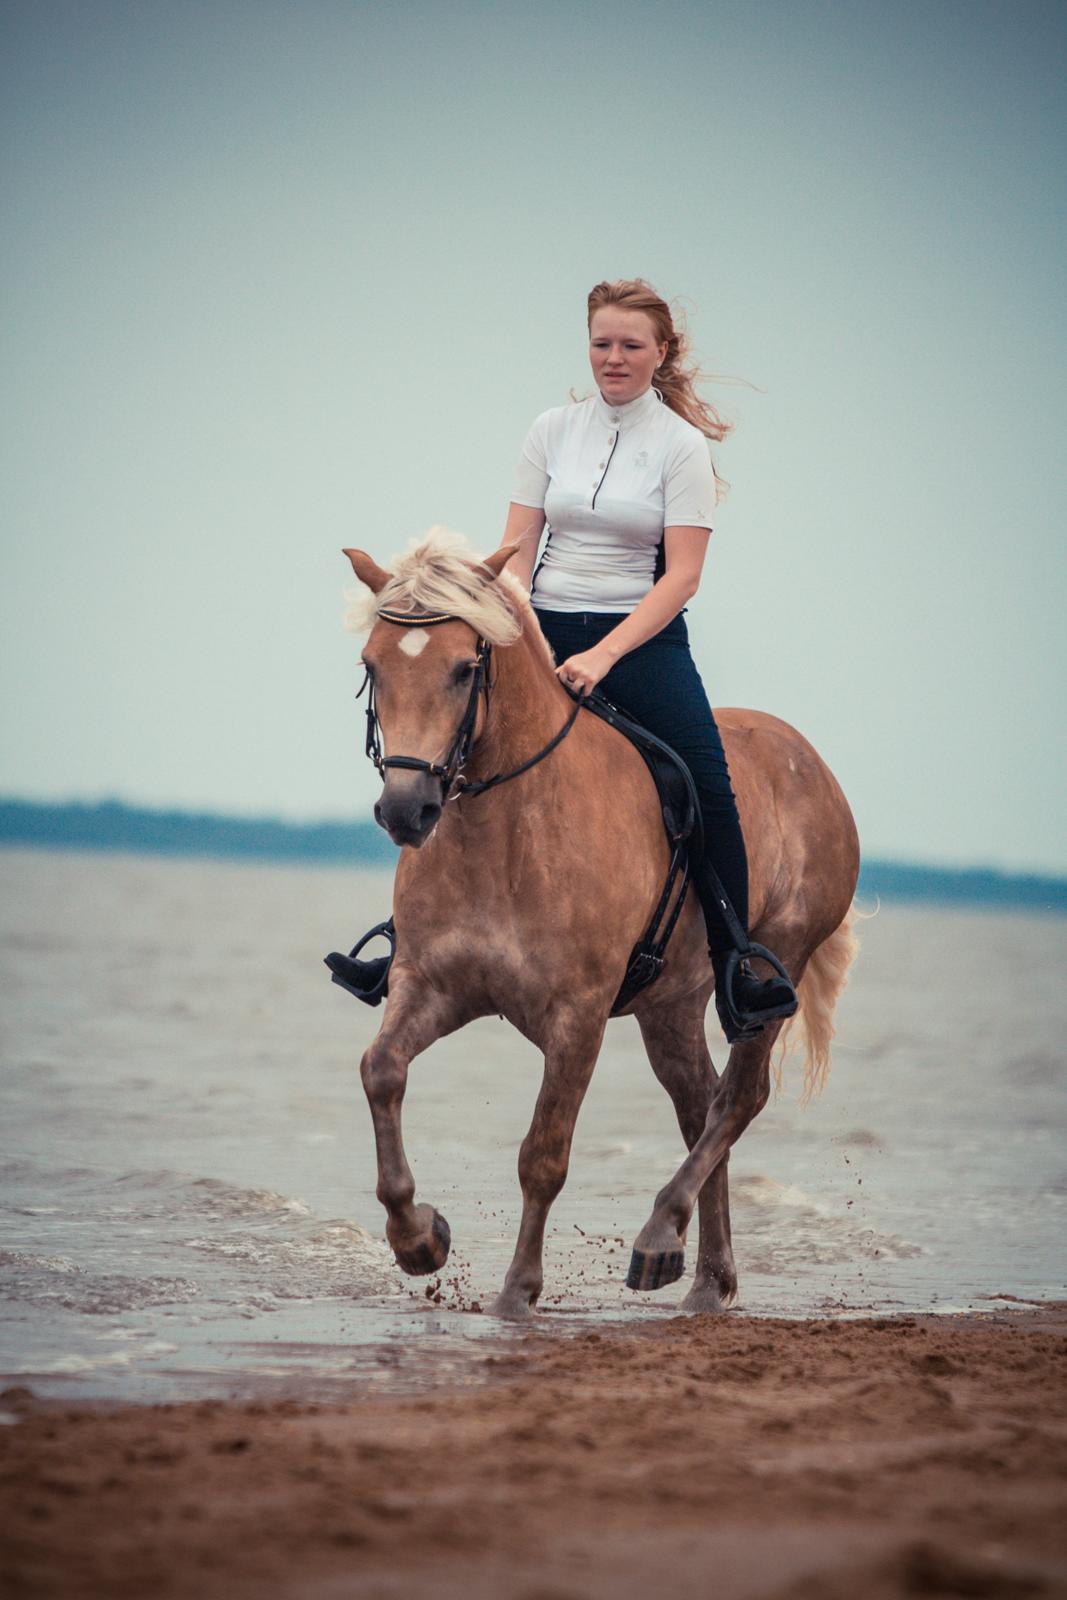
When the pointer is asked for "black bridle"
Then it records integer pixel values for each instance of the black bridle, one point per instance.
(449, 771)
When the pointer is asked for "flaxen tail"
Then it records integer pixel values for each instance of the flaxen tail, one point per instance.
(819, 990)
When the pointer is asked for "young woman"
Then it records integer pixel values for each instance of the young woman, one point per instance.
(625, 484)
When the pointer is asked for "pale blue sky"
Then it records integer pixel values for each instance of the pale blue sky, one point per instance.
(279, 277)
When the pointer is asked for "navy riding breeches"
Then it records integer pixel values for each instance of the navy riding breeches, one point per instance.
(658, 685)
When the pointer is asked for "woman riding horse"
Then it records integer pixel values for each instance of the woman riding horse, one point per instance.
(524, 899)
(534, 857)
(625, 483)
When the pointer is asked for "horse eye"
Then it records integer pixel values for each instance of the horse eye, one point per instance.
(464, 672)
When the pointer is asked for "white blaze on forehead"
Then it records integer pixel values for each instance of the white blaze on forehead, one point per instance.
(414, 641)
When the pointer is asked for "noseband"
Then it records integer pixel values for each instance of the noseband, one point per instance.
(449, 771)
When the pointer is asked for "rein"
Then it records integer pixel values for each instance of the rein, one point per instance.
(449, 771)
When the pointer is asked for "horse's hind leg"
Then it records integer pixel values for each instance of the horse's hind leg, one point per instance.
(545, 1153)
(414, 1018)
(740, 1094)
(678, 1051)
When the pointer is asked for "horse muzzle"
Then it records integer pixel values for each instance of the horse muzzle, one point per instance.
(410, 807)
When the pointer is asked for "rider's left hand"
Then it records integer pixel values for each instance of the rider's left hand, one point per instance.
(583, 672)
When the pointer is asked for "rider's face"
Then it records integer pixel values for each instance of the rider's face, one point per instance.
(623, 352)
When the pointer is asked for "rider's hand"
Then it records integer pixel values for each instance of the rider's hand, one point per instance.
(583, 672)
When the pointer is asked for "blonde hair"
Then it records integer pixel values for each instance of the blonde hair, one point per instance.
(439, 572)
(675, 379)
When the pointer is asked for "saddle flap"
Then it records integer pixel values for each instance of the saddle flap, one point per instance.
(673, 780)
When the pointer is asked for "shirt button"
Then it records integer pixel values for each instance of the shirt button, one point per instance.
(615, 416)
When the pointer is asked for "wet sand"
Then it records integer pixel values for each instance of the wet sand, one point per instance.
(732, 1457)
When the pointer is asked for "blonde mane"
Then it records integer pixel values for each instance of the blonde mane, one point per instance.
(440, 572)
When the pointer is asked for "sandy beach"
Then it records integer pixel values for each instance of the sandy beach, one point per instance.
(729, 1457)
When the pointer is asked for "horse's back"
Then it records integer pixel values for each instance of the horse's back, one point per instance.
(800, 834)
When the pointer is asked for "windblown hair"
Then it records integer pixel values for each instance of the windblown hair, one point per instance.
(440, 572)
(675, 379)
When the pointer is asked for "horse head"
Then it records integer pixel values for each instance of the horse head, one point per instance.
(426, 658)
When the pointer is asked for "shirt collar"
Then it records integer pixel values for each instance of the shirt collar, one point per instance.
(619, 418)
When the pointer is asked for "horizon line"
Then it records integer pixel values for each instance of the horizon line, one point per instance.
(115, 825)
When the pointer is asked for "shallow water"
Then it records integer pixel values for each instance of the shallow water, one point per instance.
(187, 1177)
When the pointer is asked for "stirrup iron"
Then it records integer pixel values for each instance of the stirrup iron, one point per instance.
(747, 1024)
(367, 980)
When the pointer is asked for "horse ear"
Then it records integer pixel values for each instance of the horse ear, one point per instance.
(500, 558)
(368, 571)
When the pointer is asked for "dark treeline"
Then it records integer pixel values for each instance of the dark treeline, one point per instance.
(110, 825)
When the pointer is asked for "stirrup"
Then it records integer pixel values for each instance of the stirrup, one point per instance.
(370, 979)
(738, 1024)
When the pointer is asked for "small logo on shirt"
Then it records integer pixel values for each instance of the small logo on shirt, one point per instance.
(641, 458)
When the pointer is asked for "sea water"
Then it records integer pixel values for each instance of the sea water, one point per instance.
(187, 1168)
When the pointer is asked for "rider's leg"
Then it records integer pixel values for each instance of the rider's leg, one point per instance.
(658, 684)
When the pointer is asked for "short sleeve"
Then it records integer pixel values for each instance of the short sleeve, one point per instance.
(531, 474)
(689, 489)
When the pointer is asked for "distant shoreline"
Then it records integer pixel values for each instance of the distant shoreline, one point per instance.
(110, 825)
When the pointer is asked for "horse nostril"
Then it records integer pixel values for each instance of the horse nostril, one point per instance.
(428, 817)
(379, 819)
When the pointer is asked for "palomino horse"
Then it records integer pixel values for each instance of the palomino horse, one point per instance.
(525, 901)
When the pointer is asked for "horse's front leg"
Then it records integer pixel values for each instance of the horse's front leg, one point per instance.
(415, 1016)
(545, 1153)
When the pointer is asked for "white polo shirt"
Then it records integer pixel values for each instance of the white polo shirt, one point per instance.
(610, 479)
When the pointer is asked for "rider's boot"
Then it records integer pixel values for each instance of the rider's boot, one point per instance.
(743, 1001)
(367, 980)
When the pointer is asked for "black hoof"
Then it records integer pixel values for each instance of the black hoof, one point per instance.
(654, 1269)
(430, 1255)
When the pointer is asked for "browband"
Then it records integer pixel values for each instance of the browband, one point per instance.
(405, 619)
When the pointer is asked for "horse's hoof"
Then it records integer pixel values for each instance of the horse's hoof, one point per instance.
(512, 1307)
(706, 1300)
(654, 1269)
(422, 1256)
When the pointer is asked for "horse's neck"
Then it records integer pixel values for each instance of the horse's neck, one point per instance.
(527, 705)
